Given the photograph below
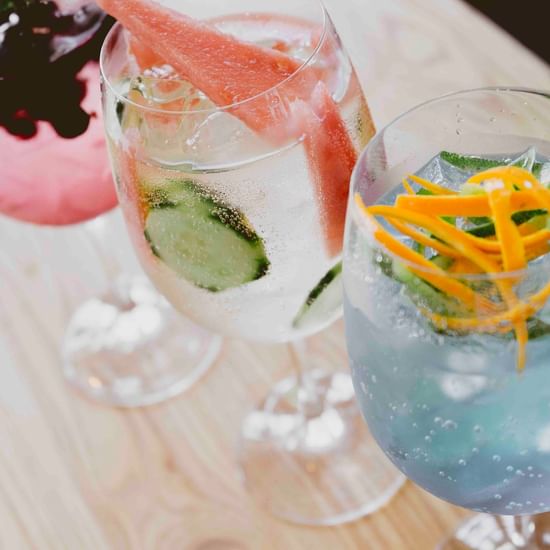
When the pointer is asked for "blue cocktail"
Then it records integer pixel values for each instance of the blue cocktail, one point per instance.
(449, 357)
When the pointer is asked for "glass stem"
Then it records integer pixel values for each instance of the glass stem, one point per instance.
(519, 530)
(310, 397)
(97, 230)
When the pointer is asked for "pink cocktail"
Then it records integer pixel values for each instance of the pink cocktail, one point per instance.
(54, 170)
(53, 164)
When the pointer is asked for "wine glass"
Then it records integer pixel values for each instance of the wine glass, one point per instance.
(54, 171)
(237, 209)
(452, 387)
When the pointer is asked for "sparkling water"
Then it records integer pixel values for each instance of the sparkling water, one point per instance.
(451, 411)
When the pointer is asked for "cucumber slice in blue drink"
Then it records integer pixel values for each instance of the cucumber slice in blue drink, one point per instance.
(424, 295)
(201, 238)
(472, 163)
(323, 300)
(428, 297)
(469, 163)
(486, 228)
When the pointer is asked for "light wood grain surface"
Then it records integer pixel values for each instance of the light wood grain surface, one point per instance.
(78, 476)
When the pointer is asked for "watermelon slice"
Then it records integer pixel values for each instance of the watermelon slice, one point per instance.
(134, 205)
(331, 157)
(145, 56)
(279, 32)
(228, 71)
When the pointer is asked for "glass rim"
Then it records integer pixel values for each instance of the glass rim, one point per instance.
(487, 276)
(118, 27)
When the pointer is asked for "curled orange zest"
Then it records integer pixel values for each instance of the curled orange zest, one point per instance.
(464, 205)
(494, 323)
(507, 174)
(433, 274)
(424, 239)
(431, 186)
(513, 256)
(408, 187)
(442, 230)
(512, 245)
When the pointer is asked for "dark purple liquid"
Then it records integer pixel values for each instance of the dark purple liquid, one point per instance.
(41, 53)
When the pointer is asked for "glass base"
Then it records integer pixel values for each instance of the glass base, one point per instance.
(320, 469)
(129, 348)
(484, 532)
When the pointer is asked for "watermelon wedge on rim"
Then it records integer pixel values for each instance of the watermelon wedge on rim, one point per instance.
(295, 30)
(226, 69)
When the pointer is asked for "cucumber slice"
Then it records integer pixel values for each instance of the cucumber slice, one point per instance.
(120, 107)
(423, 294)
(127, 114)
(472, 189)
(469, 163)
(202, 239)
(538, 222)
(484, 230)
(537, 328)
(488, 229)
(403, 274)
(526, 215)
(478, 164)
(484, 226)
(443, 262)
(165, 193)
(322, 301)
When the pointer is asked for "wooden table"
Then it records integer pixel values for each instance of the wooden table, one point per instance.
(78, 476)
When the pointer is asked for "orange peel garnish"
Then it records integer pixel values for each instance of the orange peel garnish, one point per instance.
(513, 257)
(434, 275)
(466, 243)
(408, 187)
(424, 239)
(514, 175)
(431, 186)
(464, 205)
(507, 233)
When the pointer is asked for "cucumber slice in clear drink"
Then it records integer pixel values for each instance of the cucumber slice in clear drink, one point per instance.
(323, 300)
(202, 239)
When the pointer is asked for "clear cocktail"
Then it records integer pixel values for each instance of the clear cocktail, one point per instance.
(236, 228)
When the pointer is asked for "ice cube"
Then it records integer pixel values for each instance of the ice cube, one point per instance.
(184, 127)
(443, 173)
(544, 176)
(161, 87)
(201, 138)
(526, 160)
(220, 139)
